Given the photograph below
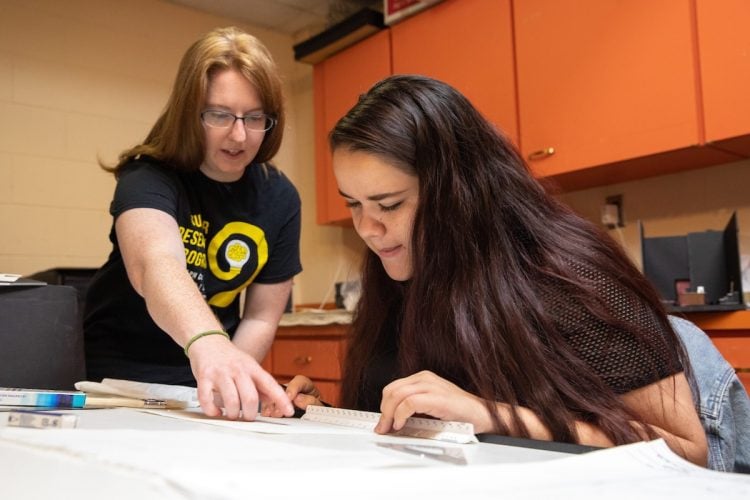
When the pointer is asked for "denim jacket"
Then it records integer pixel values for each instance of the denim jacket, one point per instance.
(723, 405)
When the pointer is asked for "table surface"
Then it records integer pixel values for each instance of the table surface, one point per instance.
(130, 454)
(63, 471)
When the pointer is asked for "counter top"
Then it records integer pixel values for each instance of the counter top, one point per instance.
(317, 318)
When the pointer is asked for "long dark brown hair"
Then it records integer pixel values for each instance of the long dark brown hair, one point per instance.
(490, 246)
(177, 136)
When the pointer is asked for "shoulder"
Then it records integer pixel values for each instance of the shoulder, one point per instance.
(273, 182)
(146, 182)
(270, 174)
(146, 169)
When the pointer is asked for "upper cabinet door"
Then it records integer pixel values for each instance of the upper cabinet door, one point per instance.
(468, 44)
(338, 82)
(724, 42)
(602, 81)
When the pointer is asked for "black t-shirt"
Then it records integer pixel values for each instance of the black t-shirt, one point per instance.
(234, 234)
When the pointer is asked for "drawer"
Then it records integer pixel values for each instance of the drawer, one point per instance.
(316, 359)
(734, 346)
(330, 392)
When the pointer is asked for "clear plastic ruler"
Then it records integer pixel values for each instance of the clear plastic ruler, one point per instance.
(454, 432)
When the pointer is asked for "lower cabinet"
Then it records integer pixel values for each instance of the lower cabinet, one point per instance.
(730, 333)
(314, 351)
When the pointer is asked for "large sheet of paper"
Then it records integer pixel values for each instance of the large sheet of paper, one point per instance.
(224, 464)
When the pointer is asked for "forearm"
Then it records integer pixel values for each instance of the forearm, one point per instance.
(692, 448)
(264, 306)
(255, 336)
(587, 434)
(175, 303)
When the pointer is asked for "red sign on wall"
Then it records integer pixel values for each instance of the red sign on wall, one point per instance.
(396, 10)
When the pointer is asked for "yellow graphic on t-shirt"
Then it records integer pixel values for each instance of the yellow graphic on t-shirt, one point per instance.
(233, 239)
(197, 221)
(237, 253)
(195, 243)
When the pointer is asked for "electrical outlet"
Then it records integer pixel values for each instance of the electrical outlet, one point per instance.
(611, 213)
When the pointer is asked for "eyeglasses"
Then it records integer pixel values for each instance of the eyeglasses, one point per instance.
(258, 122)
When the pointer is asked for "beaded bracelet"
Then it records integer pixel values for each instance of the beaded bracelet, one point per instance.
(203, 334)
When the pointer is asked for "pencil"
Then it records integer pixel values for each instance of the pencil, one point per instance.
(93, 401)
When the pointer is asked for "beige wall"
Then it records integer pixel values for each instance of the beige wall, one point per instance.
(82, 79)
(673, 205)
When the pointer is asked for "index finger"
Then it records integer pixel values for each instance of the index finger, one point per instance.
(248, 397)
(393, 396)
(271, 391)
(388, 404)
(206, 399)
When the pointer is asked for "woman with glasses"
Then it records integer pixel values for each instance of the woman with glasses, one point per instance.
(485, 300)
(201, 216)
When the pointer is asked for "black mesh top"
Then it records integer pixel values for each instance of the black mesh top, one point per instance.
(624, 361)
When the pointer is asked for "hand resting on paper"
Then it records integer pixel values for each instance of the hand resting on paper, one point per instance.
(425, 393)
(234, 386)
(301, 392)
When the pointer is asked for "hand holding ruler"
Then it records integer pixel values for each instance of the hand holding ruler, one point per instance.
(441, 430)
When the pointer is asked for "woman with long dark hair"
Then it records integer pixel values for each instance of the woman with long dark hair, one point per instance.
(484, 299)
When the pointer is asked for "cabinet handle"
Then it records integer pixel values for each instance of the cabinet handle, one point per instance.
(542, 153)
(303, 360)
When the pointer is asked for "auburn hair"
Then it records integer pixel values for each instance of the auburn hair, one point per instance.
(177, 137)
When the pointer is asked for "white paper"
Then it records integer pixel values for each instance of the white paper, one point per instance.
(231, 465)
(142, 390)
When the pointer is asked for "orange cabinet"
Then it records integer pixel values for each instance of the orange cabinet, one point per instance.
(594, 92)
(601, 81)
(468, 44)
(313, 351)
(724, 50)
(730, 333)
(337, 83)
